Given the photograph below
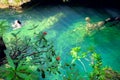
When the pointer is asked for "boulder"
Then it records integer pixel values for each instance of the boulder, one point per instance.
(12, 3)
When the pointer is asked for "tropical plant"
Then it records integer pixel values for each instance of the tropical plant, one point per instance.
(76, 56)
(98, 73)
(3, 27)
(37, 51)
(23, 71)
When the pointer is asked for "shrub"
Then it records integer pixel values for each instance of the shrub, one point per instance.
(28, 57)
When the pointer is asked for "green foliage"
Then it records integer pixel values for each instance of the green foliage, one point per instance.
(22, 71)
(74, 52)
(77, 54)
(102, 73)
(3, 27)
(28, 56)
(98, 73)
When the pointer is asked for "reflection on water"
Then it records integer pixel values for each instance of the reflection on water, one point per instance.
(66, 27)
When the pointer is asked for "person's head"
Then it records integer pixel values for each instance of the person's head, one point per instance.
(87, 19)
(17, 22)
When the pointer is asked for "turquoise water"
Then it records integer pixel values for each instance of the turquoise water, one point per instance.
(65, 27)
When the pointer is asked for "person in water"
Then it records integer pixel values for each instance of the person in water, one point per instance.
(16, 25)
(92, 26)
(99, 25)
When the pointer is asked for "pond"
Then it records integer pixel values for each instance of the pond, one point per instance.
(65, 27)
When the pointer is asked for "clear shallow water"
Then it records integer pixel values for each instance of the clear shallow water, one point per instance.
(66, 27)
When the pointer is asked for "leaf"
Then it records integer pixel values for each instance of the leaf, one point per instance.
(76, 49)
(32, 77)
(20, 65)
(13, 34)
(24, 67)
(84, 55)
(3, 27)
(21, 75)
(34, 26)
(10, 61)
(73, 61)
(10, 76)
(17, 32)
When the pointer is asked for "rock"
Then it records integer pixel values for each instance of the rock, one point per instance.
(12, 4)
(3, 6)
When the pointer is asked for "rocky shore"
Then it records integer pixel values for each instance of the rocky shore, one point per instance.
(15, 4)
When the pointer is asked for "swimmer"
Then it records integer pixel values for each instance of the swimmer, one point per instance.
(16, 25)
(89, 25)
(100, 24)
(93, 26)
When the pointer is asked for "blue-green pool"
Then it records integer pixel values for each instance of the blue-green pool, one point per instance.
(65, 27)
